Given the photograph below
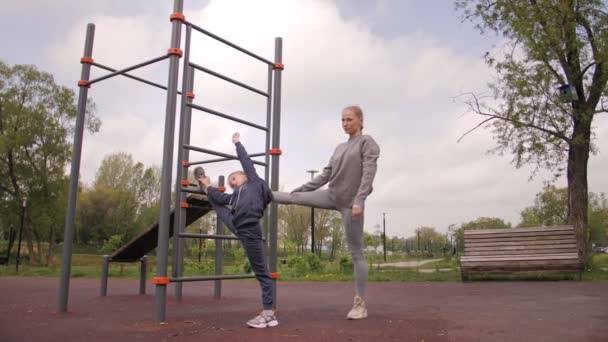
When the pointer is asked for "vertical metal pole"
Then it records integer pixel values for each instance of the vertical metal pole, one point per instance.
(143, 274)
(312, 218)
(165, 191)
(384, 235)
(219, 230)
(276, 136)
(66, 257)
(200, 244)
(179, 222)
(105, 266)
(267, 157)
(20, 235)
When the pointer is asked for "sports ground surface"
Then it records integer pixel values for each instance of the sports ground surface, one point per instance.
(310, 311)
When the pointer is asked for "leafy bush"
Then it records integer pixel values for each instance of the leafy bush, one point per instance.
(246, 266)
(346, 264)
(112, 244)
(314, 263)
(298, 264)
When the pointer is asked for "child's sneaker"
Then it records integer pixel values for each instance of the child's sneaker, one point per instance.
(359, 311)
(264, 320)
(199, 173)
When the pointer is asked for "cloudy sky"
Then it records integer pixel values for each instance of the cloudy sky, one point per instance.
(402, 61)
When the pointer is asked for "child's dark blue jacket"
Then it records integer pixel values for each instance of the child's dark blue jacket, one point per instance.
(249, 200)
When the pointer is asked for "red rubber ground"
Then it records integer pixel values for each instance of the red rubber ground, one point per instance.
(399, 311)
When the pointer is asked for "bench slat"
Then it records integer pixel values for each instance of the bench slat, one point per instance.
(540, 251)
(561, 256)
(523, 269)
(519, 238)
(562, 233)
(521, 243)
(516, 230)
(518, 264)
(517, 248)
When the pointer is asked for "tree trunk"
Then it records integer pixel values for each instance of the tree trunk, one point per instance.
(578, 194)
(49, 256)
(30, 246)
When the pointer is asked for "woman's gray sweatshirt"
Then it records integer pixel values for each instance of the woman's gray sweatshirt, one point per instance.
(350, 172)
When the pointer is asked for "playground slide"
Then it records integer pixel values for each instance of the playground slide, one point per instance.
(146, 241)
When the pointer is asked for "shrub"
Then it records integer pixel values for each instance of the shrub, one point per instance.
(346, 264)
(314, 263)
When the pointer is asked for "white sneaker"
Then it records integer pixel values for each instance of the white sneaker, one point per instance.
(263, 320)
(359, 311)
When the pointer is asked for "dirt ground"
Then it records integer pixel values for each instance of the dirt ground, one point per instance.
(310, 311)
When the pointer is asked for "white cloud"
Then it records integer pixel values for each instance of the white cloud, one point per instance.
(404, 84)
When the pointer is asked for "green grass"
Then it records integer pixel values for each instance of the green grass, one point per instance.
(89, 266)
(443, 263)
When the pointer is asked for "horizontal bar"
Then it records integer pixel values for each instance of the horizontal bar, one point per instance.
(193, 191)
(218, 38)
(101, 66)
(208, 236)
(226, 78)
(199, 206)
(219, 154)
(122, 71)
(124, 260)
(215, 277)
(224, 159)
(226, 116)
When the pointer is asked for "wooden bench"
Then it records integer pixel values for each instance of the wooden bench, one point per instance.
(520, 250)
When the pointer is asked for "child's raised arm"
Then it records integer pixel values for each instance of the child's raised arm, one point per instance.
(246, 162)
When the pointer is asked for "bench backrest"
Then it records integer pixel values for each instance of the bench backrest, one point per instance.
(520, 241)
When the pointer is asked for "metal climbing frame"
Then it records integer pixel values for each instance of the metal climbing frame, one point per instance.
(271, 163)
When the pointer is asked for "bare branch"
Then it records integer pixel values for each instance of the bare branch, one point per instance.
(476, 107)
(585, 69)
(474, 128)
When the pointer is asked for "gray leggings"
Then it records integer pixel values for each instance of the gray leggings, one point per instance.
(352, 228)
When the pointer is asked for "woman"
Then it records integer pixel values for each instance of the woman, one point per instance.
(350, 175)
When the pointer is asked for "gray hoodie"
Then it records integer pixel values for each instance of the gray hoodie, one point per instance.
(350, 172)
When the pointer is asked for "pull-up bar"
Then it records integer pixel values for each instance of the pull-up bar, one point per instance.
(223, 159)
(219, 154)
(226, 116)
(232, 45)
(226, 78)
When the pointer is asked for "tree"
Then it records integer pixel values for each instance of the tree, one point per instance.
(103, 212)
(295, 224)
(337, 237)
(479, 223)
(550, 208)
(323, 227)
(550, 43)
(430, 239)
(371, 240)
(598, 219)
(37, 119)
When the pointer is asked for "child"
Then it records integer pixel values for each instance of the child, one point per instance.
(241, 211)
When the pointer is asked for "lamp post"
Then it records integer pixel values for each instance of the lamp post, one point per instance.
(24, 203)
(312, 218)
(384, 235)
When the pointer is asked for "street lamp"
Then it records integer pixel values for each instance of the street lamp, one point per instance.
(312, 218)
(23, 204)
(384, 235)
